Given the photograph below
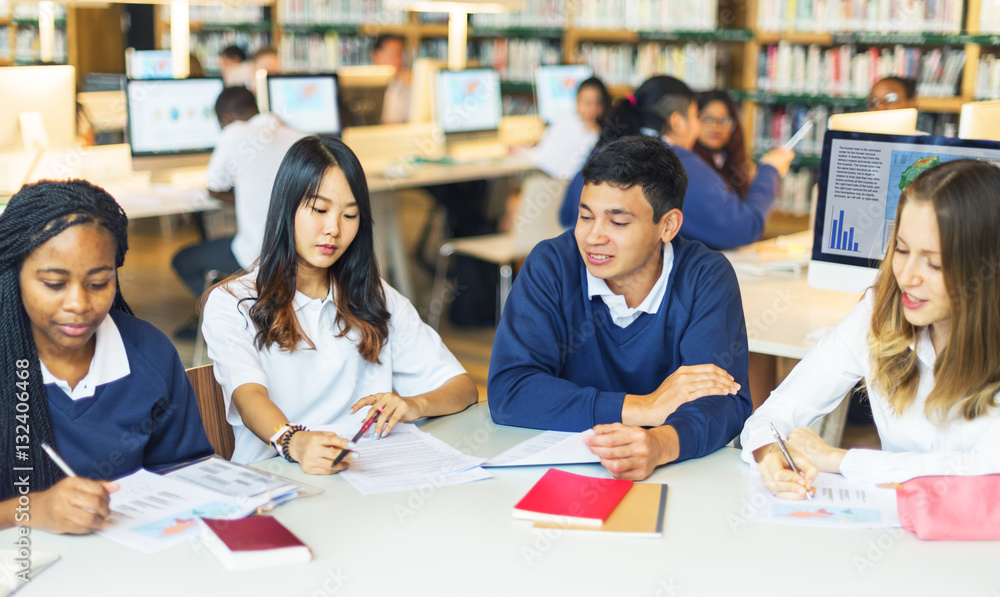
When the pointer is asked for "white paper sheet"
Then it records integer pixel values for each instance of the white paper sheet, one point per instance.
(405, 459)
(232, 479)
(837, 503)
(151, 512)
(12, 572)
(549, 447)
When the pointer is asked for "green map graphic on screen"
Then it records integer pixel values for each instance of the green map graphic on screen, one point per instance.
(914, 171)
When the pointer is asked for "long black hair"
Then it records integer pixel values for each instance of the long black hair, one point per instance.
(735, 169)
(360, 298)
(37, 213)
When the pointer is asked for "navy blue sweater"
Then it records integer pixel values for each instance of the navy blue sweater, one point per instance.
(560, 363)
(149, 418)
(713, 214)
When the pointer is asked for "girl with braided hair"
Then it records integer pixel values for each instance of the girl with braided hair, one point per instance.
(79, 372)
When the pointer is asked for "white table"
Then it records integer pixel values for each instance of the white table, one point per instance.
(462, 540)
(781, 309)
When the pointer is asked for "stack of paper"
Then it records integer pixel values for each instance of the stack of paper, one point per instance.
(151, 512)
(405, 459)
(549, 447)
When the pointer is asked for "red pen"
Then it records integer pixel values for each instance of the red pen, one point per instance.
(367, 424)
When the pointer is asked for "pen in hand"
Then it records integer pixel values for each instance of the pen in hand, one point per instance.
(58, 460)
(788, 457)
(373, 414)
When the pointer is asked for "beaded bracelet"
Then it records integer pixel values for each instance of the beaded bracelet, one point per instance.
(287, 438)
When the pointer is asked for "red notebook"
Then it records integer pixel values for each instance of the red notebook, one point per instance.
(255, 542)
(567, 498)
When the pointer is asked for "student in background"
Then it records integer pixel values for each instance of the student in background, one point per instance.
(893, 93)
(569, 141)
(233, 67)
(313, 334)
(720, 140)
(104, 388)
(241, 171)
(924, 338)
(665, 107)
(388, 51)
(265, 59)
(620, 325)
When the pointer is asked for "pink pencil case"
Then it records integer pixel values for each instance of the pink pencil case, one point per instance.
(951, 508)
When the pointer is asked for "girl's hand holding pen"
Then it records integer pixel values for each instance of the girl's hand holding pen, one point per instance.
(809, 443)
(315, 451)
(395, 409)
(778, 475)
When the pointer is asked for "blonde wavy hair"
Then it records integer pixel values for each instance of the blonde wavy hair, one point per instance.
(965, 195)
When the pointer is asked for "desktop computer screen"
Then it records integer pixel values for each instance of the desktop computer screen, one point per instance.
(308, 103)
(860, 179)
(555, 89)
(48, 90)
(148, 64)
(468, 100)
(172, 116)
(980, 120)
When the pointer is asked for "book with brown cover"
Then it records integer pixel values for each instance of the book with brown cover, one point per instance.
(640, 514)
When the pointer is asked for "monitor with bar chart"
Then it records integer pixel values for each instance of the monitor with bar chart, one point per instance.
(860, 180)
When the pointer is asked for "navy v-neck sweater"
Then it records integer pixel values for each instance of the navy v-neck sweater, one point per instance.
(560, 363)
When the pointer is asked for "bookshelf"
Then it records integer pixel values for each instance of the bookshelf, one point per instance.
(720, 43)
(19, 34)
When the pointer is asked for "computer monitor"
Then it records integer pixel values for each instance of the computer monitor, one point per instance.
(308, 103)
(362, 93)
(555, 89)
(148, 64)
(860, 179)
(980, 120)
(172, 116)
(49, 90)
(468, 100)
(886, 122)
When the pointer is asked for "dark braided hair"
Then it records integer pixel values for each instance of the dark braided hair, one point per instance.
(37, 213)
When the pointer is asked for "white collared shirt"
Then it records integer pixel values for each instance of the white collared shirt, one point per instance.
(621, 313)
(318, 387)
(110, 363)
(912, 444)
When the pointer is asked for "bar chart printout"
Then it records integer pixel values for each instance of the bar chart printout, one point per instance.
(840, 239)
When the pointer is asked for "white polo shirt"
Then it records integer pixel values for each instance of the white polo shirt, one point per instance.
(246, 159)
(318, 386)
(109, 363)
(621, 313)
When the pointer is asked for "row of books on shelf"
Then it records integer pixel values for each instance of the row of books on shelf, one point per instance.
(646, 15)
(4, 43)
(626, 65)
(207, 45)
(774, 125)
(536, 14)
(323, 52)
(224, 13)
(27, 45)
(28, 10)
(516, 59)
(341, 12)
(988, 77)
(925, 16)
(846, 70)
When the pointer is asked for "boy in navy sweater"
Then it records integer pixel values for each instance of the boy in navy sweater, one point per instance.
(623, 326)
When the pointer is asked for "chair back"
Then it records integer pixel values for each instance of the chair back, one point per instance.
(537, 216)
(212, 406)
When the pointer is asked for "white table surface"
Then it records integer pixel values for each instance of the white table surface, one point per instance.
(781, 309)
(462, 540)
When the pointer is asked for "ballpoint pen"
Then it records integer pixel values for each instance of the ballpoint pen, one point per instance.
(58, 460)
(364, 428)
(788, 457)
